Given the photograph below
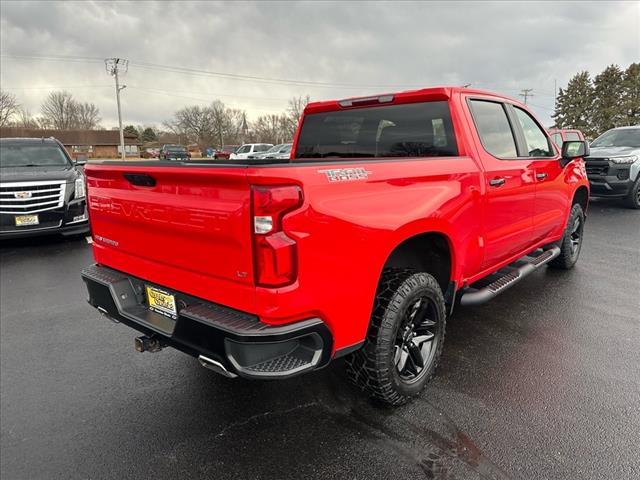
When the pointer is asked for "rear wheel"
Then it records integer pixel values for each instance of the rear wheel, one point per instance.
(571, 240)
(633, 199)
(405, 338)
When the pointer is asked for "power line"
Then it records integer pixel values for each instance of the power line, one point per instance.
(55, 58)
(540, 106)
(208, 95)
(57, 87)
(147, 91)
(526, 92)
(209, 73)
(251, 78)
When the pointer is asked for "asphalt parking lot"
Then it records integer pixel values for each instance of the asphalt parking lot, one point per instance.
(543, 382)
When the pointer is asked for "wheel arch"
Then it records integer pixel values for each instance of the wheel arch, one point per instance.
(581, 196)
(430, 251)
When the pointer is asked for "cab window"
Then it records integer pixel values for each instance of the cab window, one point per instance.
(537, 142)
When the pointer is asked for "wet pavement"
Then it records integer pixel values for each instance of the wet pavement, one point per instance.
(543, 382)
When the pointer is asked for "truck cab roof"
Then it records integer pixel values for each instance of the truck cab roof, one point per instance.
(406, 96)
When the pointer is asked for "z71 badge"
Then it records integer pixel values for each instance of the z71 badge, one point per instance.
(345, 174)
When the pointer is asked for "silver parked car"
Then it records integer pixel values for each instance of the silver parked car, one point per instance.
(613, 166)
(281, 151)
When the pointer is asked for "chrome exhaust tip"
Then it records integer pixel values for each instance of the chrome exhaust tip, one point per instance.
(216, 366)
(104, 313)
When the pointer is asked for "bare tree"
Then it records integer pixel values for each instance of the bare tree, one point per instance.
(294, 112)
(221, 122)
(87, 116)
(8, 107)
(26, 120)
(272, 128)
(59, 111)
(197, 123)
(237, 127)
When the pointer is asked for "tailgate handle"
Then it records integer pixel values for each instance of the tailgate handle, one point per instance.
(140, 179)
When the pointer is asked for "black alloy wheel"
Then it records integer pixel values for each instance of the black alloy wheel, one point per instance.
(417, 340)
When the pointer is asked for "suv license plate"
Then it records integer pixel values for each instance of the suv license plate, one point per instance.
(26, 220)
(162, 302)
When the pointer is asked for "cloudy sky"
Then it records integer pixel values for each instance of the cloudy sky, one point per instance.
(256, 55)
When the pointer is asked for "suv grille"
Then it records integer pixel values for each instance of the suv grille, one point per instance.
(31, 197)
(597, 166)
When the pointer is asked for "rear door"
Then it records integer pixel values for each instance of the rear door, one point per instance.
(510, 187)
(551, 200)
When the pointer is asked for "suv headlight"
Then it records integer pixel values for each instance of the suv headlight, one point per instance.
(79, 187)
(624, 160)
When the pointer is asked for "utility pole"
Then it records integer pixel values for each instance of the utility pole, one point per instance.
(526, 93)
(114, 67)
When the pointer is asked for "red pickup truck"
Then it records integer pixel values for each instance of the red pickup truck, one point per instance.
(391, 210)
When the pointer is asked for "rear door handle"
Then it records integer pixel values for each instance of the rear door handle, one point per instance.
(497, 182)
(541, 176)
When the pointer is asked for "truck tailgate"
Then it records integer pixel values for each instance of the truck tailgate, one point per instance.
(183, 227)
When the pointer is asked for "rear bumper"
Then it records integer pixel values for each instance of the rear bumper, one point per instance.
(234, 342)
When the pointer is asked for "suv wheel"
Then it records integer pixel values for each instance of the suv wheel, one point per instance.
(405, 338)
(633, 199)
(571, 242)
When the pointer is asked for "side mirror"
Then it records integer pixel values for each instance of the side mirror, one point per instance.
(80, 160)
(574, 149)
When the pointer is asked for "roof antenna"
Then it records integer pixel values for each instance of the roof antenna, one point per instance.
(466, 85)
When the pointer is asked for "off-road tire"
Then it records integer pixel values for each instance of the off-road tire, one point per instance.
(372, 368)
(568, 257)
(633, 199)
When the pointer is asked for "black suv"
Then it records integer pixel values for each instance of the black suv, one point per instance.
(173, 152)
(42, 191)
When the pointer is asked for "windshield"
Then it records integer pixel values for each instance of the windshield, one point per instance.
(627, 137)
(32, 156)
(406, 130)
(175, 149)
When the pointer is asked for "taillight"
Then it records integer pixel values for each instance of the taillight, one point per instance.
(275, 256)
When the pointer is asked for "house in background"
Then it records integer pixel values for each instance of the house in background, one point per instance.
(82, 143)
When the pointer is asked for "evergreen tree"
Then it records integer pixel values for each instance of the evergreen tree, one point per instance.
(631, 95)
(574, 104)
(608, 108)
(148, 135)
(131, 130)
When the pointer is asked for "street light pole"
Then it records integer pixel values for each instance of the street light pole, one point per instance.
(114, 66)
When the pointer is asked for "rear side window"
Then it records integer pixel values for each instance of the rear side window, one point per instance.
(537, 142)
(494, 128)
(408, 130)
(572, 136)
(261, 148)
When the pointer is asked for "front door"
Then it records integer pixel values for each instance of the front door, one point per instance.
(551, 199)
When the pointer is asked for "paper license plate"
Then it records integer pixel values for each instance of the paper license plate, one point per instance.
(162, 302)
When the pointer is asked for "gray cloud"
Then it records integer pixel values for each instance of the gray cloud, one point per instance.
(501, 46)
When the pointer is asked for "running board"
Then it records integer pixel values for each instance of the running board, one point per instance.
(485, 289)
